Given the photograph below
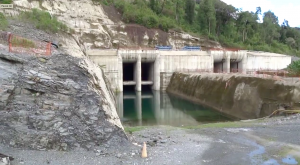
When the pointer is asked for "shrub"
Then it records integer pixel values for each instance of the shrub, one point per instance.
(166, 23)
(4, 22)
(294, 67)
(43, 20)
(5, 1)
(23, 42)
(138, 12)
(120, 5)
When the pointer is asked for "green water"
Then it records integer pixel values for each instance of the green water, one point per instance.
(159, 108)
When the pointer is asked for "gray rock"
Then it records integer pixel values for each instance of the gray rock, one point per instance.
(67, 114)
(55, 106)
(30, 82)
(163, 141)
(119, 155)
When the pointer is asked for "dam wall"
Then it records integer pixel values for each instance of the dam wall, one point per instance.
(240, 96)
(181, 61)
(266, 61)
(136, 69)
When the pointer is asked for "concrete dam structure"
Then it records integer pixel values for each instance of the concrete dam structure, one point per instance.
(153, 68)
(240, 96)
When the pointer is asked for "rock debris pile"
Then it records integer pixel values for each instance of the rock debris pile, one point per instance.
(56, 102)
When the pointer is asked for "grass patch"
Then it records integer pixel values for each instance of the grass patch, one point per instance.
(5, 1)
(23, 43)
(288, 150)
(134, 129)
(43, 20)
(4, 22)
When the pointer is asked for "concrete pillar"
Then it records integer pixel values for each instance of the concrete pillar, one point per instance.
(120, 108)
(138, 73)
(156, 74)
(138, 107)
(226, 63)
(212, 61)
(156, 100)
(120, 73)
(243, 64)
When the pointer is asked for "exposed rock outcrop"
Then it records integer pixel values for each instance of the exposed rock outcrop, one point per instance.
(57, 102)
(97, 26)
(237, 95)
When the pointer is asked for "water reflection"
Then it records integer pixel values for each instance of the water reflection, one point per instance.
(159, 108)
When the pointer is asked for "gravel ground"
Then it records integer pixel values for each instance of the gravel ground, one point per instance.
(271, 141)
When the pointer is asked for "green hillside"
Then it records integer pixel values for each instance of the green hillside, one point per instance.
(214, 19)
(5, 1)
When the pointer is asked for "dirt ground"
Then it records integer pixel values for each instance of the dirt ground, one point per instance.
(268, 142)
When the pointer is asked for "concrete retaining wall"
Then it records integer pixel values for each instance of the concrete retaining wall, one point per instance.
(111, 68)
(167, 62)
(239, 96)
(256, 62)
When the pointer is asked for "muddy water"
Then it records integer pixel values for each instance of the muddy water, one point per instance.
(158, 108)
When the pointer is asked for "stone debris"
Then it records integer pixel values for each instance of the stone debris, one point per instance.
(61, 106)
(5, 160)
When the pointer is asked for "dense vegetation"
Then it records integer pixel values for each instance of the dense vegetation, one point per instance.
(43, 20)
(3, 22)
(294, 68)
(5, 1)
(215, 19)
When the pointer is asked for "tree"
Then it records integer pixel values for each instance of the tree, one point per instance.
(290, 42)
(246, 23)
(190, 11)
(225, 17)
(271, 17)
(179, 10)
(162, 6)
(258, 11)
(152, 5)
(283, 31)
(207, 16)
(271, 27)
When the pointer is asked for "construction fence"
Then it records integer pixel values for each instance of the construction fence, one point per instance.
(21, 45)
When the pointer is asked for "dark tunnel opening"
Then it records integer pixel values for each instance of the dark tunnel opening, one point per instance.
(147, 71)
(218, 67)
(147, 89)
(128, 71)
(129, 88)
(234, 67)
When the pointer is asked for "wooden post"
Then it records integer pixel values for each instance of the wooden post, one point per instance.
(48, 49)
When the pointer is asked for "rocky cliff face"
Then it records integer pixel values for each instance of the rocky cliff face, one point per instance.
(57, 102)
(99, 26)
(239, 96)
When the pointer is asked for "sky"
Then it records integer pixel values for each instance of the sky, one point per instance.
(283, 9)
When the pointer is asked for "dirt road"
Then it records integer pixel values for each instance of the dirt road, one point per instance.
(272, 141)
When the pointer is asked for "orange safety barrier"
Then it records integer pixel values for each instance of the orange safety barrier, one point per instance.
(22, 45)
